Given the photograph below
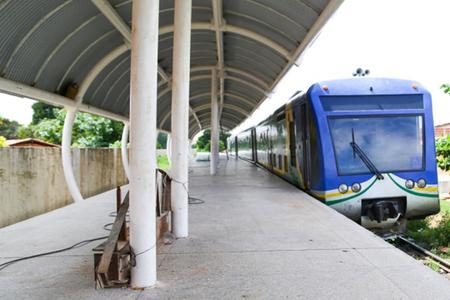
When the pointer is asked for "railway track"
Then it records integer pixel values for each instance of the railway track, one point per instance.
(420, 253)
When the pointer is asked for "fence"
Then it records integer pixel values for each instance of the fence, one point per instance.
(32, 180)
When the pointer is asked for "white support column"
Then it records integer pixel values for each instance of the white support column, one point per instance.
(66, 155)
(180, 115)
(214, 156)
(143, 99)
(124, 149)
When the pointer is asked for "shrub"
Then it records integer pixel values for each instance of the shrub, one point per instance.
(3, 142)
(443, 153)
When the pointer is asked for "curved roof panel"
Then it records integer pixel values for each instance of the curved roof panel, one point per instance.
(53, 44)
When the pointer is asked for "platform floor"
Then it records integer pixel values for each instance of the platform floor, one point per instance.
(255, 237)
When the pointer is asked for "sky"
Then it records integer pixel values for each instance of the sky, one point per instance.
(392, 38)
(405, 39)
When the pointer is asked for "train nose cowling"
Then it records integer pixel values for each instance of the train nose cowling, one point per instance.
(382, 209)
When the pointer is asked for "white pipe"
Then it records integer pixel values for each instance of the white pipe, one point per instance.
(66, 155)
(144, 82)
(124, 149)
(169, 149)
(214, 156)
(180, 115)
(97, 69)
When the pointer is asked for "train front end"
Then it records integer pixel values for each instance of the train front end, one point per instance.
(378, 147)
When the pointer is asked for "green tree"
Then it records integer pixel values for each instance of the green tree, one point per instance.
(162, 141)
(89, 131)
(443, 143)
(42, 111)
(443, 153)
(25, 132)
(93, 131)
(3, 142)
(204, 141)
(49, 130)
(9, 128)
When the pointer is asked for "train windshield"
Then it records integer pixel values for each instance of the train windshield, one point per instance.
(392, 143)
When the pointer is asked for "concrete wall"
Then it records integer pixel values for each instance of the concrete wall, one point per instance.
(32, 180)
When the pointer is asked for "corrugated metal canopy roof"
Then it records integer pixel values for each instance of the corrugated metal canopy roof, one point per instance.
(51, 44)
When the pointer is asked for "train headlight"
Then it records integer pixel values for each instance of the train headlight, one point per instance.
(356, 187)
(343, 188)
(421, 183)
(409, 184)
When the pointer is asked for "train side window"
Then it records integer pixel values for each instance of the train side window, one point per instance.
(292, 151)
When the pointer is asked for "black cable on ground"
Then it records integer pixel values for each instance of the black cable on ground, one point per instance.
(77, 245)
(108, 227)
(194, 200)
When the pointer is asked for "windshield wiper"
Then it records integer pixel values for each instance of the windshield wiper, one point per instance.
(365, 159)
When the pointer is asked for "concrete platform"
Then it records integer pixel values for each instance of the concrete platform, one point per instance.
(255, 237)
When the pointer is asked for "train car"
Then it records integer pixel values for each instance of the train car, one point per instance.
(364, 146)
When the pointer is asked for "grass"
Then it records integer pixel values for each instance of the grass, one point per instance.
(163, 162)
(433, 233)
(445, 206)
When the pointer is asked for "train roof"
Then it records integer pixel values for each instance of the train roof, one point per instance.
(367, 86)
(352, 86)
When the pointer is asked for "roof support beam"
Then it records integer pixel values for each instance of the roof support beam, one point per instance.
(61, 45)
(23, 90)
(229, 77)
(116, 20)
(247, 83)
(95, 71)
(241, 72)
(241, 98)
(193, 111)
(80, 56)
(228, 106)
(237, 30)
(194, 114)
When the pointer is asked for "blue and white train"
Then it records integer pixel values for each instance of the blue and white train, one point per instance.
(364, 146)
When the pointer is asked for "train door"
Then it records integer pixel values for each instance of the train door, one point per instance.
(270, 139)
(303, 145)
(290, 127)
(254, 145)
